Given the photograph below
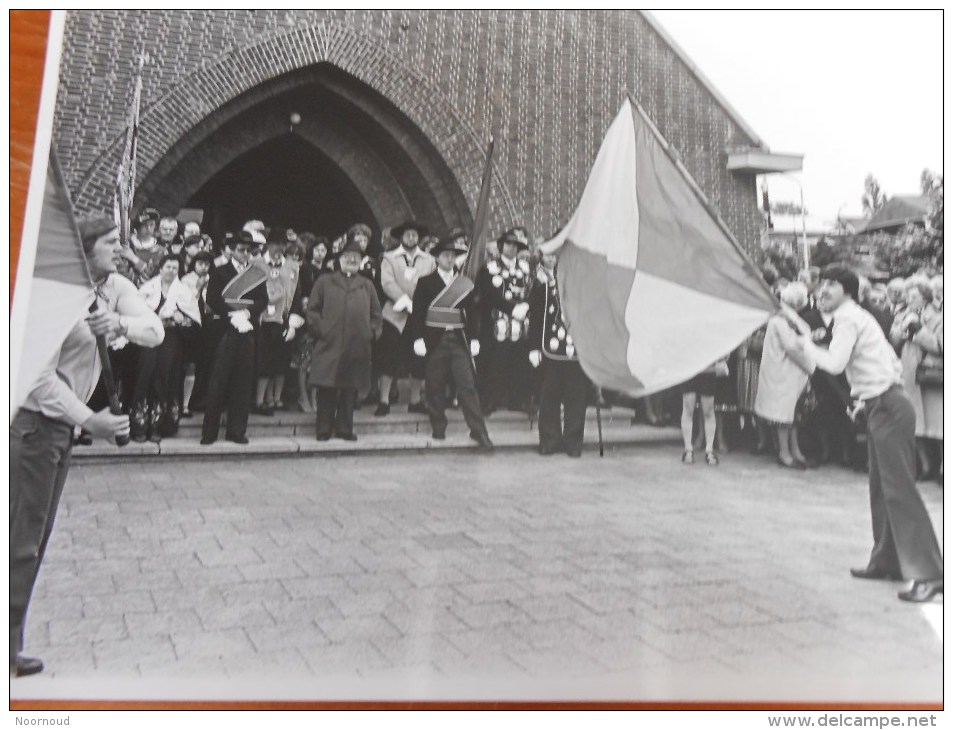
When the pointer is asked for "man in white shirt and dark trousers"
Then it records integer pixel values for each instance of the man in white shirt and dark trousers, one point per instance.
(905, 546)
(41, 432)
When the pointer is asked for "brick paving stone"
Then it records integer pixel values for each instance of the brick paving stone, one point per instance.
(234, 616)
(214, 576)
(347, 657)
(269, 636)
(100, 605)
(271, 569)
(86, 629)
(492, 613)
(274, 663)
(139, 625)
(294, 610)
(252, 592)
(330, 585)
(211, 644)
(420, 649)
(485, 592)
(358, 628)
(363, 603)
(115, 657)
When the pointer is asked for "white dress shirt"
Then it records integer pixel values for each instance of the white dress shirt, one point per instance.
(859, 348)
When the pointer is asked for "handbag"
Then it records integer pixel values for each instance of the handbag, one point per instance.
(806, 405)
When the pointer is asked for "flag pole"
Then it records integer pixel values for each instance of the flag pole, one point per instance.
(599, 419)
(700, 194)
(109, 380)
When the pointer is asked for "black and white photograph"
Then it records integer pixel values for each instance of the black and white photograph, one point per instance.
(481, 355)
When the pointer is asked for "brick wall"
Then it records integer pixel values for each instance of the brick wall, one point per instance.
(546, 82)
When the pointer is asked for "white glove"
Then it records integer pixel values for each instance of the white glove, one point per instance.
(404, 304)
(535, 358)
(520, 311)
(295, 321)
(474, 348)
(290, 335)
(420, 347)
(241, 321)
(119, 343)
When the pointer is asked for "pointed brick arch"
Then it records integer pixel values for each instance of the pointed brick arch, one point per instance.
(420, 119)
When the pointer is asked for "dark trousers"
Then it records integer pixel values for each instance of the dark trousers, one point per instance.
(450, 360)
(230, 386)
(159, 372)
(504, 376)
(39, 462)
(209, 338)
(335, 411)
(562, 384)
(904, 541)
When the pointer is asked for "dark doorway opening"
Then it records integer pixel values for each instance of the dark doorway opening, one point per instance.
(285, 182)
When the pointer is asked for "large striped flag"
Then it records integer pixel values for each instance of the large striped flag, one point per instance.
(60, 290)
(653, 285)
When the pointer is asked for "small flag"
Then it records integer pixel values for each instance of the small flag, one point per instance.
(654, 287)
(126, 176)
(60, 290)
(477, 252)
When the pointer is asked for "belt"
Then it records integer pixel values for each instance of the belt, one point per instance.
(875, 398)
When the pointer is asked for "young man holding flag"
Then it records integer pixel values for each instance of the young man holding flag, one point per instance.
(41, 431)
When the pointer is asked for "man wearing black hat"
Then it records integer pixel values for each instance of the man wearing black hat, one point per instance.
(562, 380)
(400, 270)
(41, 431)
(237, 293)
(504, 286)
(444, 329)
(905, 546)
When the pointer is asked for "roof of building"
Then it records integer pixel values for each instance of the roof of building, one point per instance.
(898, 211)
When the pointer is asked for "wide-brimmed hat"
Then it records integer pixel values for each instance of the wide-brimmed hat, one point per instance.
(398, 231)
(449, 244)
(513, 235)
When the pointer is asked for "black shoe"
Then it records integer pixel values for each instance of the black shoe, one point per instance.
(25, 666)
(483, 440)
(548, 450)
(373, 397)
(84, 439)
(922, 591)
(574, 453)
(439, 435)
(382, 410)
(186, 414)
(869, 573)
(418, 407)
(241, 440)
(323, 437)
(207, 442)
(264, 410)
(346, 436)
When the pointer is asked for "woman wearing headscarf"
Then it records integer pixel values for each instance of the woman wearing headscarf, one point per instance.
(782, 379)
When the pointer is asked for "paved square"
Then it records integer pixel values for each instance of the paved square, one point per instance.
(462, 575)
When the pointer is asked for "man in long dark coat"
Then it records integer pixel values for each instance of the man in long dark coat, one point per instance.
(444, 329)
(237, 292)
(344, 316)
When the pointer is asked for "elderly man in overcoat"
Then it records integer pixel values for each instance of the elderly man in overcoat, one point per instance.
(344, 315)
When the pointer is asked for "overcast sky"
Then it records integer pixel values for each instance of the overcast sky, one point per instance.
(856, 92)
